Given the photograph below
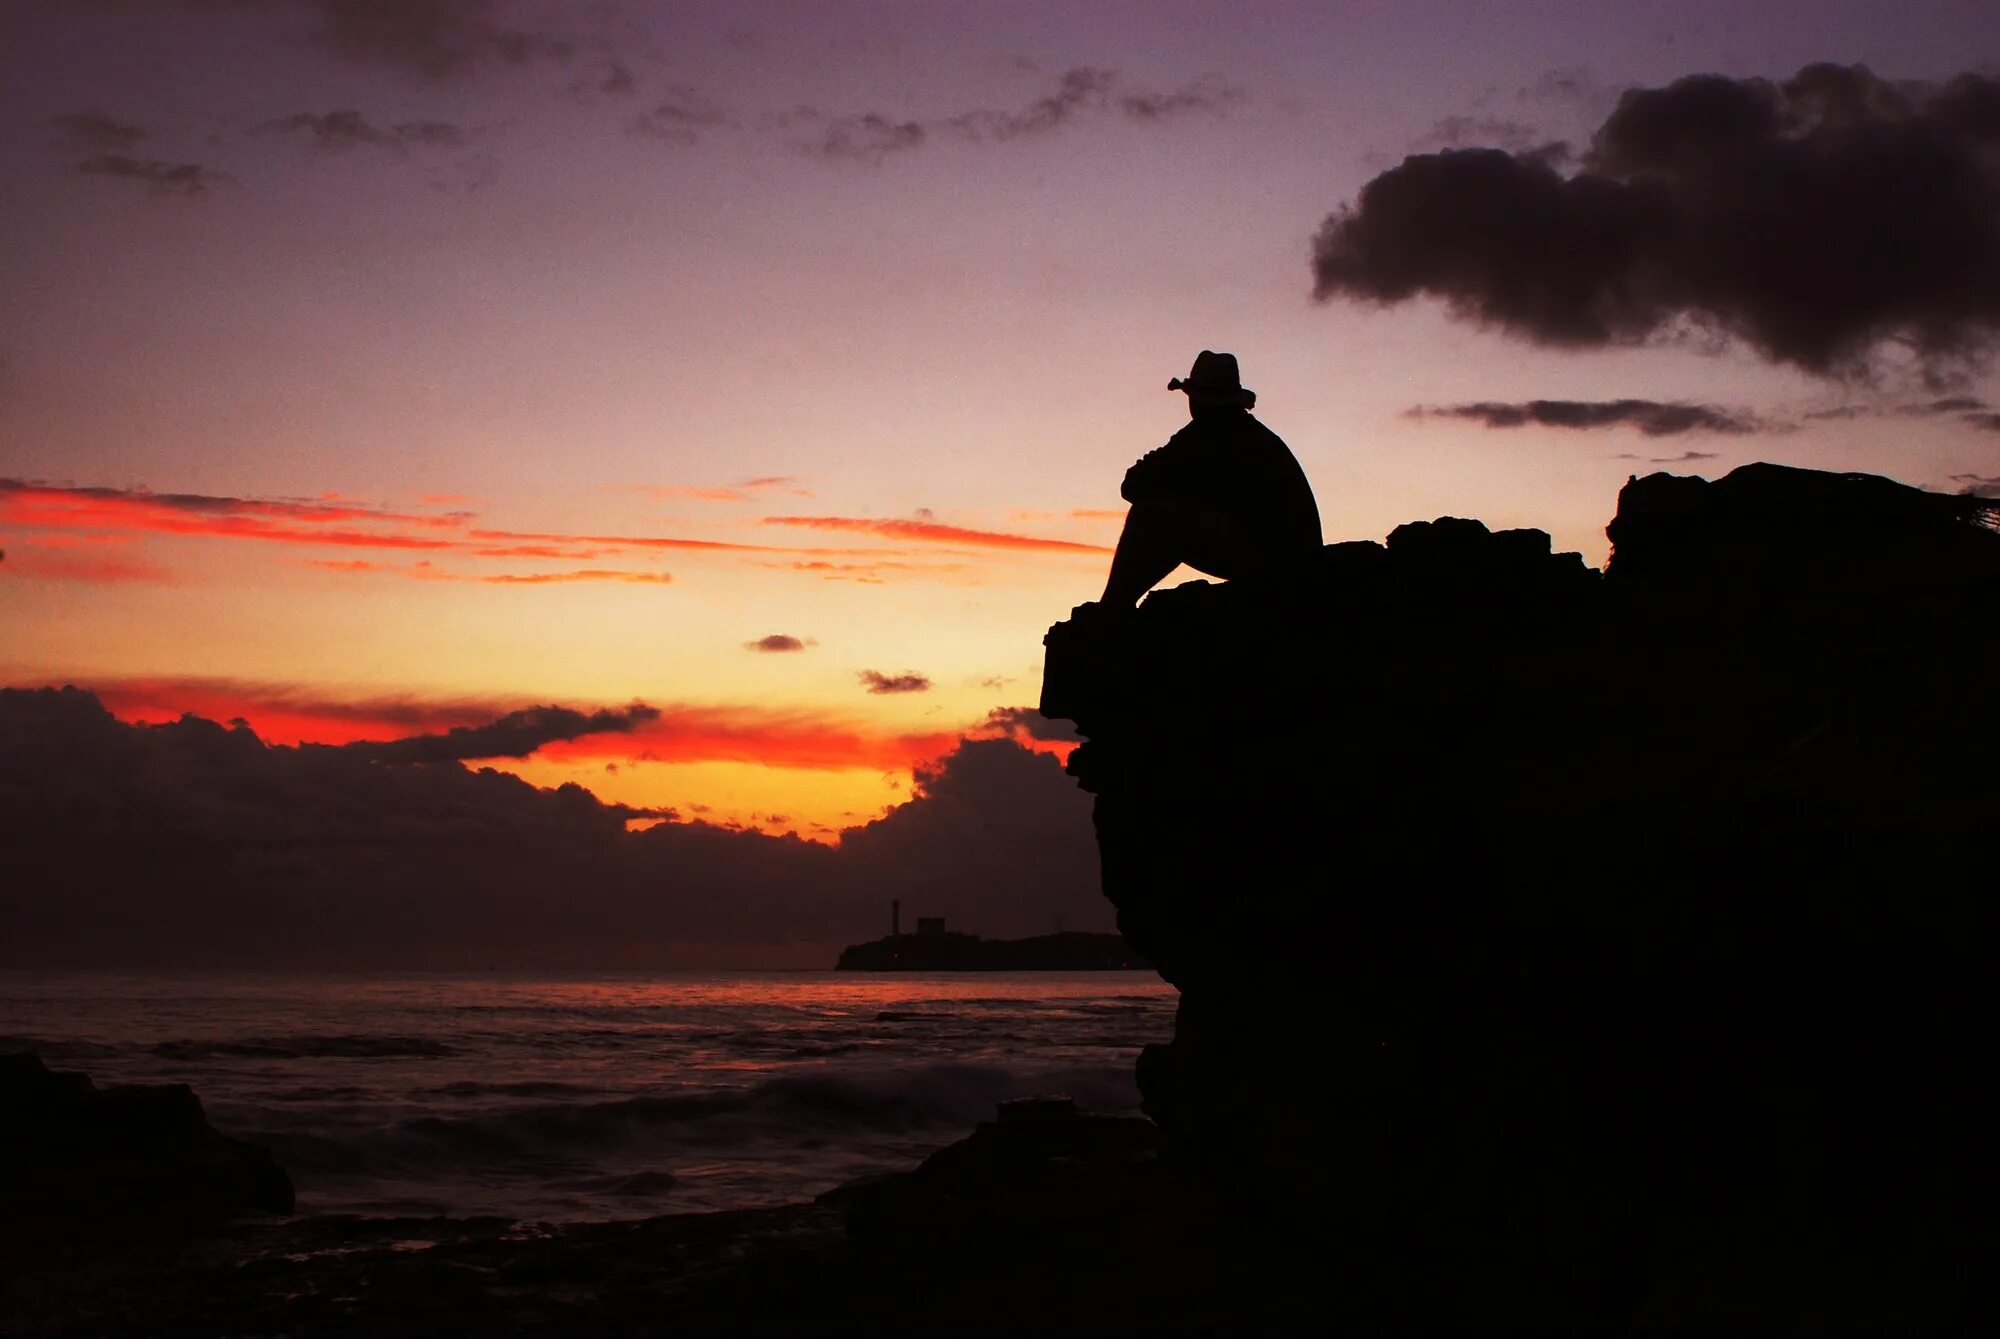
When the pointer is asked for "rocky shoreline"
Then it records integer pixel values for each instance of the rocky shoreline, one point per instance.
(1046, 1218)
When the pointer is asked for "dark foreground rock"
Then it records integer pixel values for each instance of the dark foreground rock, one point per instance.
(1046, 1221)
(1589, 952)
(79, 1162)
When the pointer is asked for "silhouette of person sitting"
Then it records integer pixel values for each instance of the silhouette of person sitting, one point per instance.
(1224, 495)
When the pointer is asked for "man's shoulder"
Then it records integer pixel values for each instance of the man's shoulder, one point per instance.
(1255, 426)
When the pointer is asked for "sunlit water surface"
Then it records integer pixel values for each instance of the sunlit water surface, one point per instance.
(563, 1098)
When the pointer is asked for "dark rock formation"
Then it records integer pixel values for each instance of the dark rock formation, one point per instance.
(1573, 945)
(949, 951)
(98, 1164)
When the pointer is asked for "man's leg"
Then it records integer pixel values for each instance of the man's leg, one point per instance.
(1158, 537)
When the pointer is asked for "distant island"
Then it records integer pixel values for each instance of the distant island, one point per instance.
(951, 951)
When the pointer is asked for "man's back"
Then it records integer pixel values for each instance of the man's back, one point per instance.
(1226, 457)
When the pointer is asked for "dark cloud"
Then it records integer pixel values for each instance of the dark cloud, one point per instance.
(682, 116)
(1683, 458)
(515, 735)
(1498, 132)
(436, 38)
(996, 839)
(1078, 93)
(94, 130)
(348, 129)
(195, 844)
(777, 641)
(1822, 221)
(1652, 417)
(606, 78)
(907, 682)
(1989, 422)
(1974, 485)
(165, 178)
(1971, 409)
(869, 137)
(445, 134)
(1207, 95)
(1028, 722)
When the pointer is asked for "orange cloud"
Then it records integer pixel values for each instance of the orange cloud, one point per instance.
(933, 532)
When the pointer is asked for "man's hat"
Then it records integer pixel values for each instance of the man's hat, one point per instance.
(1215, 380)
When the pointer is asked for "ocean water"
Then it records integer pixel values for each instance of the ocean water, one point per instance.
(564, 1098)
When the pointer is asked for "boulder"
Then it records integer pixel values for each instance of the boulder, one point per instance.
(76, 1159)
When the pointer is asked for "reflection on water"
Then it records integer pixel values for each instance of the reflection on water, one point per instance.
(594, 1096)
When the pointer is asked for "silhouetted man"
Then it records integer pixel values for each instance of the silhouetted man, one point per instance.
(1224, 495)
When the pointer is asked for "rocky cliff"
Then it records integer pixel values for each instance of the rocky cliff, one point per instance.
(1548, 938)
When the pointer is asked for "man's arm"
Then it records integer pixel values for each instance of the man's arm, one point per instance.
(1166, 471)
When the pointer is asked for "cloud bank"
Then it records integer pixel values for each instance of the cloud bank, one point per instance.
(1820, 220)
(1654, 418)
(193, 844)
(907, 682)
(350, 129)
(514, 735)
(166, 178)
(1079, 93)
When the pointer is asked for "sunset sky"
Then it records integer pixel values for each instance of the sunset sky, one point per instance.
(370, 370)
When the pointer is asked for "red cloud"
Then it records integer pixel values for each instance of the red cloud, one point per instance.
(349, 565)
(736, 492)
(296, 714)
(758, 735)
(117, 509)
(426, 571)
(588, 574)
(932, 532)
(67, 567)
(624, 541)
(291, 714)
(110, 514)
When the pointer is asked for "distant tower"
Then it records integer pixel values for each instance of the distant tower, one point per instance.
(895, 917)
